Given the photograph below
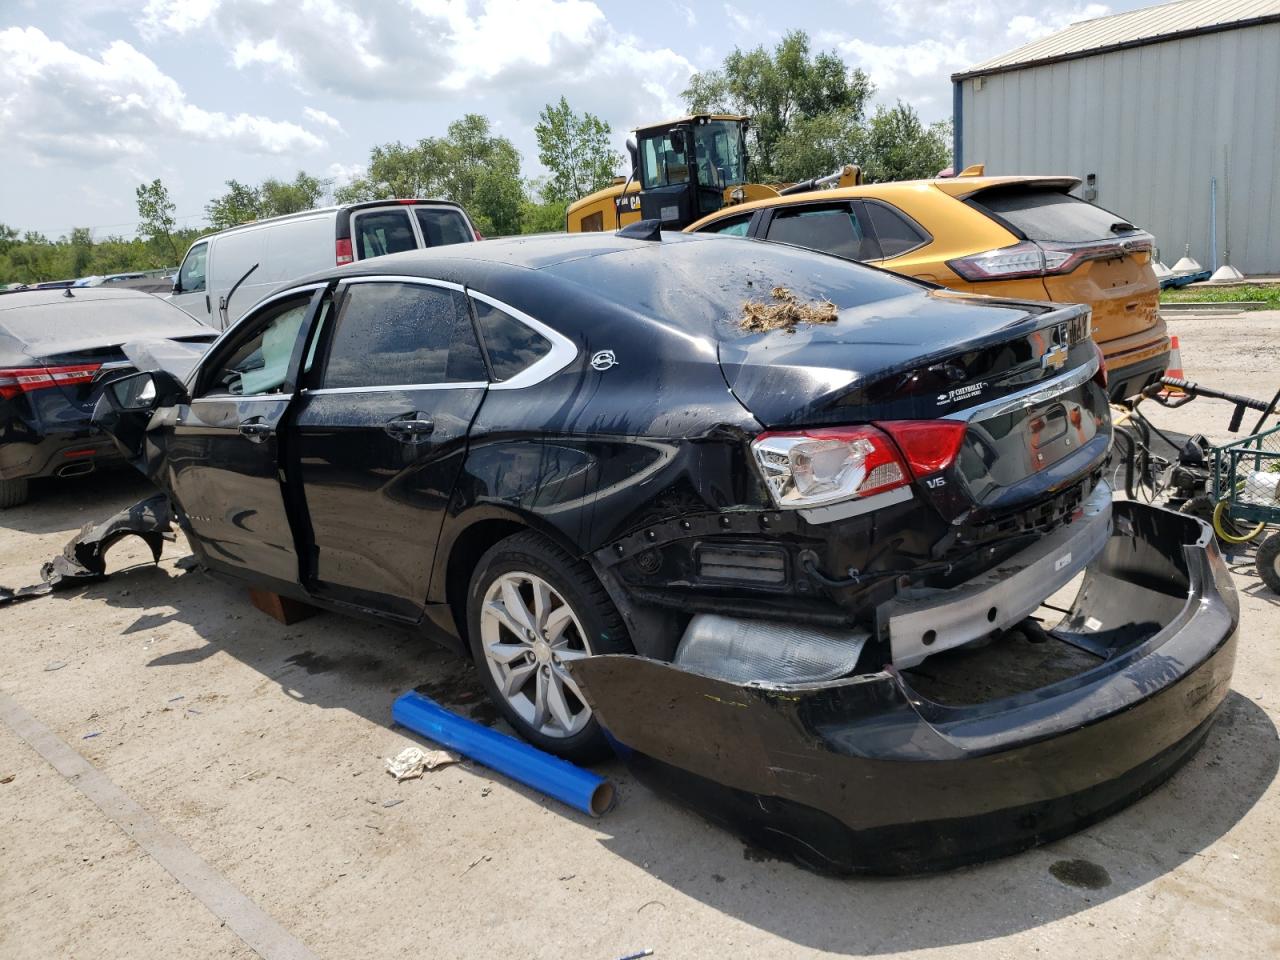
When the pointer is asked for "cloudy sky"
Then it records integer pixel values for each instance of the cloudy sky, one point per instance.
(97, 96)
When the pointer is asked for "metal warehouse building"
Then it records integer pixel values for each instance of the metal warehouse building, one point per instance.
(1170, 115)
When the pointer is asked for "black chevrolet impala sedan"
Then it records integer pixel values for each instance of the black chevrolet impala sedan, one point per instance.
(777, 527)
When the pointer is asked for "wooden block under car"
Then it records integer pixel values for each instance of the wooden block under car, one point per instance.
(284, 609)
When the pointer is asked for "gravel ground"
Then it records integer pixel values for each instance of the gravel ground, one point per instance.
(259, 747)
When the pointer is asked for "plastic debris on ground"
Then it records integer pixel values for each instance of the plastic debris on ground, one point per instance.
(413, 762)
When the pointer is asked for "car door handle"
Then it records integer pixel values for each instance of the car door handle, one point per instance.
(255, 431)
(410, 430)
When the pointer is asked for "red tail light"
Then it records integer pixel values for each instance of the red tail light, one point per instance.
(1030, 259)
(927, 445)
(810, 468)
(15, 380)
(343, 250)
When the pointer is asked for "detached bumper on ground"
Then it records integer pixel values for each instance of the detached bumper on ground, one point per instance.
(867, 774)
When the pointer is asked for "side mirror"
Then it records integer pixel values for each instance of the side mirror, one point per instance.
(143, 392)
(177, 285)
(133, 394)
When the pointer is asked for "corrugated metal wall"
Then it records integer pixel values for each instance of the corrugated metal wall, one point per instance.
(1152, 122)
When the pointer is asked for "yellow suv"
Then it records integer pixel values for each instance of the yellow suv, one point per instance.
(1023, 237)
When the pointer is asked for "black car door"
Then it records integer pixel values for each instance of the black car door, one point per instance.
(224, 452)
(381, 432)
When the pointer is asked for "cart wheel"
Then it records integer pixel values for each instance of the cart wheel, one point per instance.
(1268, 561)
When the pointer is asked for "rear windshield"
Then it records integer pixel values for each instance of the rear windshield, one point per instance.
(441, 226)
(115, 320)
(702, 282)
(1051, 215)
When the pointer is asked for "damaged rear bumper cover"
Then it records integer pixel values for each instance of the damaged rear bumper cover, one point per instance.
(866, 775)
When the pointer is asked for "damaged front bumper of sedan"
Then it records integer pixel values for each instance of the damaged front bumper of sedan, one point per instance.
(956, 756)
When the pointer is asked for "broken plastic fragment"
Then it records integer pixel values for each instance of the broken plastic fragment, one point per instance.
(414, 762)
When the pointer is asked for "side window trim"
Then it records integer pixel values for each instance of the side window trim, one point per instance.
(897, 212)
(562, 353)
(217, 348)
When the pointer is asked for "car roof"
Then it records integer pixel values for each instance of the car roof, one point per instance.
(358, 205)
(18, 299)
(958, 187)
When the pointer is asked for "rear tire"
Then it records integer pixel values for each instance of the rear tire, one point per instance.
(13, 493)
(1268, 561)
(532, 608)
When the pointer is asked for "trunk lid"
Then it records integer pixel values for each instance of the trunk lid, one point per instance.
(1021, 375)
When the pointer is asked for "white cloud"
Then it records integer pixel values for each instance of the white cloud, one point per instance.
(914, 72)
(344, 173)
(322, 118)
(524, 51)
(1024, 28)
(58, 102)
(956, 35)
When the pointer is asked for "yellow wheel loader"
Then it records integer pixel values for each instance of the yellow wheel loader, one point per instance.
(683, 170)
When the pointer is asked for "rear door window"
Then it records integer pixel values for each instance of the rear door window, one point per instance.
(512, 346)
(400, 334)
(831, 228)
(379, 232)
(441, 226)
(894, 232)
(730, 227)
(1051, 215)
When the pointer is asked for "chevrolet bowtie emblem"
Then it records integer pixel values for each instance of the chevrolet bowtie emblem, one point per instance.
(1054, 358)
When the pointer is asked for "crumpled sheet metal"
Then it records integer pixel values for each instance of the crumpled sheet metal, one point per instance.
(84, 558)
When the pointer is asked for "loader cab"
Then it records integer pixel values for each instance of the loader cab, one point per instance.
(685, 167)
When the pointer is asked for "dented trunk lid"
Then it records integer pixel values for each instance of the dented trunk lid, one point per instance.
(1021, 374)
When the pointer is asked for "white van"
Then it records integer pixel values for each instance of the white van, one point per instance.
(286, 248)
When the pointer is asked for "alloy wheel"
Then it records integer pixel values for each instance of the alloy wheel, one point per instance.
(529, 633)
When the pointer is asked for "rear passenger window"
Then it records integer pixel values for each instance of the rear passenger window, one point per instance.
(391, 334)
(380, 232)
(512, 346)
(441, 226)
(831, 229)
(895, 232)
(733, 227)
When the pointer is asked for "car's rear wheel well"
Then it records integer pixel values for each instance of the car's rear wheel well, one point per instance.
(463, 557)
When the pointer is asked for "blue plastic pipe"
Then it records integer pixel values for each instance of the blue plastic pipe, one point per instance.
(516, 759)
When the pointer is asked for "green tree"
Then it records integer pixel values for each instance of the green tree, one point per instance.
(81, 251)
(898, 146)
(469, 165)
(575, 150)
(780, 91)
(271, 198)
(155, 215)
(816, 146)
